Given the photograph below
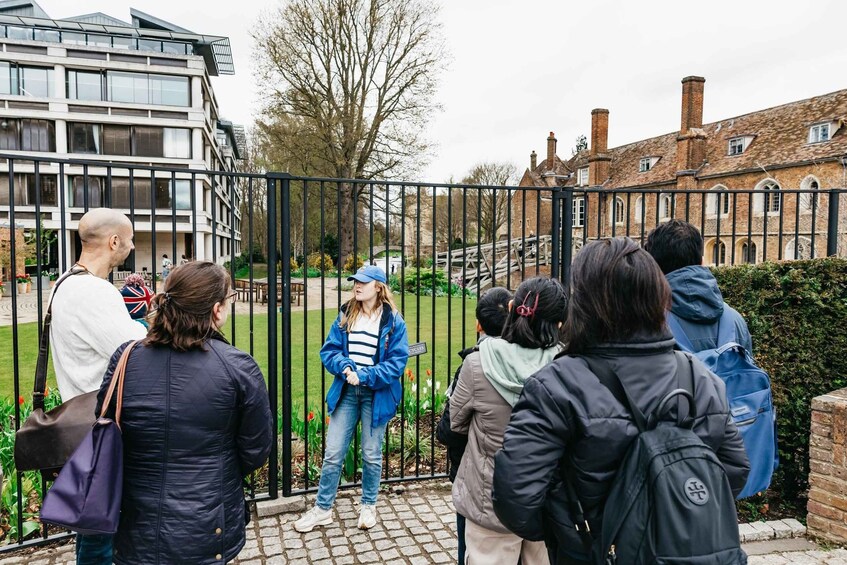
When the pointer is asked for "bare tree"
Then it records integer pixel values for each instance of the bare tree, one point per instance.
(360, 77)
(489, 206)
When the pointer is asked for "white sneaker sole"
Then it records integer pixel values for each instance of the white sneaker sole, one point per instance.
(364, 526)
(325, 522)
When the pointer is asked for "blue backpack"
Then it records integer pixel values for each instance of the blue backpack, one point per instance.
(748, 391)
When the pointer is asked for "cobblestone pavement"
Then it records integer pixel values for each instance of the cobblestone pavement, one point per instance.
(416, 527)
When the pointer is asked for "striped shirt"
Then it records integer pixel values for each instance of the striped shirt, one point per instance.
(363, 339)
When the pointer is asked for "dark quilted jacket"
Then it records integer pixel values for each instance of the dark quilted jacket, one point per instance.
(566, 419)
(194, 424)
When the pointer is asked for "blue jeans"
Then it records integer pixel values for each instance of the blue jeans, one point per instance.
(355, 404)
(94, 550)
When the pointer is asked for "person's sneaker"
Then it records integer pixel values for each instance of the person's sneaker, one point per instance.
(367, 517)
(314, 517)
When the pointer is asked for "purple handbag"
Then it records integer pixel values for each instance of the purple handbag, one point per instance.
(86, 496)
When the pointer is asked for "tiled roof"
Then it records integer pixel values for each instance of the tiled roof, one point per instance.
(780, 137)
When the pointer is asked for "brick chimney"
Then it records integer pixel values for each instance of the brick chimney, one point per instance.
(691, 141)
(598, 156)
(551, 151)
(533, 160)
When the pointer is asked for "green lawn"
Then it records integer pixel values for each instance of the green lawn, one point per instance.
(308, 335)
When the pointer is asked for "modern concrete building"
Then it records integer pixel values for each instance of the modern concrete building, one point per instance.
(99, 89)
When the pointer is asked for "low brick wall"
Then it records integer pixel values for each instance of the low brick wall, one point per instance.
(827, 517)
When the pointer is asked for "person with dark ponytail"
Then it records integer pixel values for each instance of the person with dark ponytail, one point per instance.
(195, 421)
(488, 386)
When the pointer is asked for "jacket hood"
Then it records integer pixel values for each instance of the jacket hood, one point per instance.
(508, 365)
(696, 296)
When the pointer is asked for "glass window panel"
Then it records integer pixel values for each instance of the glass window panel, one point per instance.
(149, 45)
(84, 138)
(47, 35)
(120, 192)
(163, 193)
(5, 78)
(19, 189)
(85, 85)
(48, 186)
(169, 91)
(173, 47)
(36, 81)
(124, 42)
(128, 87)
(116, 140)
(141, 193)
(13, 32)
(9, 137)
(38, 135)
(177, 143)
(95, 192)
(148, 141)
(99, 40)
(73, 38)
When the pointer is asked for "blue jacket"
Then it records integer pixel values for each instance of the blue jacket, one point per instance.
(383, 378)
(698, 305)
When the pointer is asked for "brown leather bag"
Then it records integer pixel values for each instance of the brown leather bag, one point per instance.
(47, 439)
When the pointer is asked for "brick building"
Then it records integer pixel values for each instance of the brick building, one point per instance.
(752, 163)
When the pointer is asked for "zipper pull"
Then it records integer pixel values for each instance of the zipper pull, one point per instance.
(611, 557)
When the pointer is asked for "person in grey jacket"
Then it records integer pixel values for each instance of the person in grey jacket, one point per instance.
(489, 384)
(568, 422)
(195, 421)
(697, 304)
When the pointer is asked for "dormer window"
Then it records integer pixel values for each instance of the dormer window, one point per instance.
(646, 163)
(736, 145)
(819, 133)
(582, 176)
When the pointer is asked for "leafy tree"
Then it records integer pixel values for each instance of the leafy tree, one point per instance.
(581, 144)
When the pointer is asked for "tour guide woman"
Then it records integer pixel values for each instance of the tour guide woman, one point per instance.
(366, 349)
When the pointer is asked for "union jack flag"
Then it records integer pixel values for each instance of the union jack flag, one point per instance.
(137, 300)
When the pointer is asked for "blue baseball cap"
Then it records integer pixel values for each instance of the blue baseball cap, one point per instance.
(369, 273)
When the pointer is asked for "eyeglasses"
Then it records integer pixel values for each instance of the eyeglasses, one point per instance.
(231, 296)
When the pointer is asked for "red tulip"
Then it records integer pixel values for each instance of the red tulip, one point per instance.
(21, 400)
(428, 373)
(310, 417)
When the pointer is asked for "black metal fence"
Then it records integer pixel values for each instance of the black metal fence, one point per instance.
(290, 243)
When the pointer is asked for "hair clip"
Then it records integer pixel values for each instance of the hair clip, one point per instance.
(526, 311)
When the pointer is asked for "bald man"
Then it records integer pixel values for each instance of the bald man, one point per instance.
(90, 321)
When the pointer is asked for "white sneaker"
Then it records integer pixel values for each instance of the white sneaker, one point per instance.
(314, 517)
(367, 516)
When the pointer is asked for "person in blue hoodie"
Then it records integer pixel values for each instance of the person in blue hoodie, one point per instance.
(697, 302)
(366, 350)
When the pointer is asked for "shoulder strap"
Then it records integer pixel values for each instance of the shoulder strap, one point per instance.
(44, 343)
(117, 381)
(726, 328)
(685, 381)
(609, 379)
(679, 333)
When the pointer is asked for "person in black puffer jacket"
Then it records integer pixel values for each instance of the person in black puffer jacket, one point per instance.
(195, 421)
(567, 421)
(492, 308)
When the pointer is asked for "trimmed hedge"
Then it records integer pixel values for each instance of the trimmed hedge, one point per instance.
(797, 315)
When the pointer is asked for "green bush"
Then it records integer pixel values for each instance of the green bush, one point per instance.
(794, 311)
(424, 281)
(321, 262)
(352, 264)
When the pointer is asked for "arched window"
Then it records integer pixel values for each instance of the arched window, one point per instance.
(809, 200)
(619, 211)
(718, 202)
(639, 209)
(665, 206)
(772, 197)
(748, 252)
(799, 248)
(719, 253)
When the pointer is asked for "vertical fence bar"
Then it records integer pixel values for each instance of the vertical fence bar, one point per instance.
(832, 223)
(567, 237)
(273, 382)
(287, 298)
(13, 260)
(556, 240)
(323, 265)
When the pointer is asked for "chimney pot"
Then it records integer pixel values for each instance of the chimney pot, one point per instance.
(551, 151)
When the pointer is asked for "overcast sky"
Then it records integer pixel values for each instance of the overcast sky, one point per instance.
(520, 69)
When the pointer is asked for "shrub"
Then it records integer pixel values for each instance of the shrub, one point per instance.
(794, 310)
(423, 281)
(352, 263)
(321, 262)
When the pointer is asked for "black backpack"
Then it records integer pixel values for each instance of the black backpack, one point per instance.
(670, 502)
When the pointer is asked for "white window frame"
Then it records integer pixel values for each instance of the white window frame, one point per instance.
(719, 253)
(639, 209)
(767, 197)
(578, 212)
(619, 219)
(810, 200)
(718, 203)
(582, 176)
(744, 254)
(820, 133)
(791, 249)
(665, 206)
(645, 164)
(737, 146)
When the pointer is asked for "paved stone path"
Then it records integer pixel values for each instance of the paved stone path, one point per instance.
(416, 527)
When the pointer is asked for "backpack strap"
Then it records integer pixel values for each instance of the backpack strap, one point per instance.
(679, 333)
(726, 328)
(609, 379)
